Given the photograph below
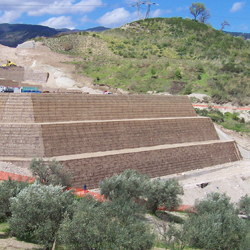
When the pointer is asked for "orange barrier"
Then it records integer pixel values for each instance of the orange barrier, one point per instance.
(81, 192)
(181, 208)
(219, 107)
(17, 177)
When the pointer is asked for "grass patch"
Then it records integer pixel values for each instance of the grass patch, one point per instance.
(154, 54)
(227, 120)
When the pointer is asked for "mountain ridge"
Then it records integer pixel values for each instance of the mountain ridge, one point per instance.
(13, 34)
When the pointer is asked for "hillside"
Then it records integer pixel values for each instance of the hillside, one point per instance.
(173, 55)
(13, 34)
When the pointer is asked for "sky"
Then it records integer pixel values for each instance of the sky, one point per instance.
(84, 14)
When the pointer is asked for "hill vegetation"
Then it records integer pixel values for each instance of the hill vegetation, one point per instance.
(13, 34)
(173, 55)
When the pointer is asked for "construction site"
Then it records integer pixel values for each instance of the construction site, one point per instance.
(95, 136)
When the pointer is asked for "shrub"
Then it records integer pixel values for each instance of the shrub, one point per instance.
(215, 225)
(188, 89)
(130, 185)
(178, 74)
(50, 172)
(105, 226)
(163, 193)
(244, 205)
(9, 189)
(37, 212)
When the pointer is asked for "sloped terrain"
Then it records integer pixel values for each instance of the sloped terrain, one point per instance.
(173, 55)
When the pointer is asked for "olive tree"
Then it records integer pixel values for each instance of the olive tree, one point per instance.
(132, 185)
(215, 224)
(50, 172)
(37, 212)
(105, 226)
(9, 189)
(164, 193)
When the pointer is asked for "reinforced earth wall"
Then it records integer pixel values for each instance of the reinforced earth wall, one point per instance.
(95, 136)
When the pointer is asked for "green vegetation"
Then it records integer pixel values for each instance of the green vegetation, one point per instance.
(37, 212)
(227, 120)
(48, 214)
(106, 225)
(198, 10)
(176, 55)
(133, 186)
(8, 189)
(50, 172)
(216, 224)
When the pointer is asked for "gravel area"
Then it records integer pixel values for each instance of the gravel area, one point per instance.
(11, 168)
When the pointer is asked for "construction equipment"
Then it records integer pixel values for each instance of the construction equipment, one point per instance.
(9, 64)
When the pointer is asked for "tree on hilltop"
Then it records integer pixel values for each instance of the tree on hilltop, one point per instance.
(200, 12)
(223, 24)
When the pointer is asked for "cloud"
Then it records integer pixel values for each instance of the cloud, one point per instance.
(85, 19)
(59, 22)
(117, 17)
(156, 13)
(9, 16)
(237, 6)
(168, 11)
(39, 8)
(179, 9)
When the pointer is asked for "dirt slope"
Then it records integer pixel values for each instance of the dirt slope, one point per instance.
(41, 58)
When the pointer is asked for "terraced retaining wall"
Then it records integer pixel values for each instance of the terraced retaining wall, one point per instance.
(95, 136)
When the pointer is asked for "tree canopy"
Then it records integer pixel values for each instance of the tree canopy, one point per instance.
(37, 212)
(50, 172)
(105, 225)
(215, 225)
(132, 185)
(198, 10)
(9, 189)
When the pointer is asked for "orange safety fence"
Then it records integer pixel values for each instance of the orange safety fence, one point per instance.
(181, 208)
(220, 107)
(81, 192)
(17, 177)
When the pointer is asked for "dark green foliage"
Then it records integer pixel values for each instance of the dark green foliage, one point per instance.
(163, 193)
(50, 172)
(37, 212)
(107, 225)
(9, 189)
(131, 185)
(214, 114)
(215, 225)
(227, 120)
(244, 205)
(178, 74)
